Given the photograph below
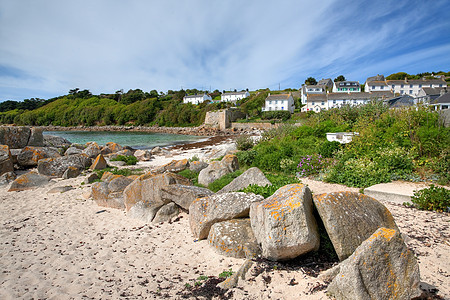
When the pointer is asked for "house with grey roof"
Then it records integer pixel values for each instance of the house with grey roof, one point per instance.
(234, 96)
(442, 102)
(427, 94)
(196, 99)
(413, 86)
(279, 102)
(323, 86)
(346, 87)
(376, 83)
(400, 101)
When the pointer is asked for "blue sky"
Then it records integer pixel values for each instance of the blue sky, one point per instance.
(48, 47)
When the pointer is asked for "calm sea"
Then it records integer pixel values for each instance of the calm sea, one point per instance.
(137, 140)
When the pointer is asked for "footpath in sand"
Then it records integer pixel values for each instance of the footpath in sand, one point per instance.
(64, 246)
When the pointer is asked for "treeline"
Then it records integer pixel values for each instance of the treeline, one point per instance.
(134, 107)
(427, 75)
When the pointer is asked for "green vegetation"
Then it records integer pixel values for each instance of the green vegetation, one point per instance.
(116, 171)
(408, 144)
(223, 181)
(432, 198)
(427, 75)
(226, 274)
(277, 181)
(128, 159)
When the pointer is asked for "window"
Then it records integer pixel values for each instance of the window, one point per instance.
(282, 108)
(323, 103)
(420, 86)
(393, 86)
(411, 86)
(312, 103)
(440, 85)
(270, 101)
(401, 92)
(402, 86)
(373, 87)
(343, 101)
(410, 91)
(345, 89)
(334, 101)
(354, 101)
(382, 87)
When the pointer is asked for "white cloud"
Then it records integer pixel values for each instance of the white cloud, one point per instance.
(108, 45)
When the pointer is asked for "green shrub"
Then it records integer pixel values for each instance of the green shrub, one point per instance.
(277, 181)
(128, 159)
(246, 157)
(310, 164)
(191, 175)
(223, 181)
(226, 274)
(328, 149)
(441, 166)
(432, 198)
(278, 114)
(244, 142)
(125, 172)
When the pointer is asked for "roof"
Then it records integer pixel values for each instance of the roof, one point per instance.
(377, 83)
(347, 83)
(417, 81)
(432, 91)
(401, 101)
(324, 81)
(375, 78)
(317, 97)
(195, 96)
(444, 99)
(359, 96)
(279, 97)
(234, 93)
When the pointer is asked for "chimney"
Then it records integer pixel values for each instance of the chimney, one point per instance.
(269, 94)
(443, 91)
(406, 79)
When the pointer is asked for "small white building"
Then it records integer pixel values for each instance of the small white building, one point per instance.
(234, 96)
(196, 99)
(346, 87)
(310, 90)
(279, 102)
(341, 137)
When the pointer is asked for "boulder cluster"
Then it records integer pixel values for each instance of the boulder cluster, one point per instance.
(374, 260)
(25, 149)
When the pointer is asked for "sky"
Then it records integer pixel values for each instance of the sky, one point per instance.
(48, 47)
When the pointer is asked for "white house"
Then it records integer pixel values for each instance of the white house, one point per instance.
(196, 99)
(427, 94)
(442, 102)
(341, 137)
(234, 96)
(310, 90)
(346, 87)
(376, 84)
(413, 87)
(279, 102)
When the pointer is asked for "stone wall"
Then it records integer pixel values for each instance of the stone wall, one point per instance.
(445, 117)
(222, 119)
(251, 126)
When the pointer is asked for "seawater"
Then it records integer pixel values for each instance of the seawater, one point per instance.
(137, 140)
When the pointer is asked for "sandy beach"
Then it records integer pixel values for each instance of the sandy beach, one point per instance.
(64, 246)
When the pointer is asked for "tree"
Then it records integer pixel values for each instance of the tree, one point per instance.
(310, 81)
(340, 78)
(398, 76)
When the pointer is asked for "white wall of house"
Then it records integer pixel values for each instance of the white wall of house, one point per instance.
(413, 88)
(310, 89)
(273, 105)
(233, 97)
(375, 87)
(196, 99)
(347, 88)
(341, 137)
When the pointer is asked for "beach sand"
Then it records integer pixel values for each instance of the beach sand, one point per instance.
(64, 246)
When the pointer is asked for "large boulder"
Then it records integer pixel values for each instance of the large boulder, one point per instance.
(174, 166)
(55, 141)
(143, 155)
(7, 178)
(30, 156)
(28, 181)
(234, 238)
(73, 150)
(204, 212)
(217, 169)
(351, 218)
(15, 136)
(57, 166)
(92, 150)
(99, 163)
(284, 224)
(6, 162)
(382, 267)
(251, 176)
(197, 166)
(183, 195)
(36, 137)
(71, 172)
(109, 192)
(166, 213)
(111, 147)
(146, 190)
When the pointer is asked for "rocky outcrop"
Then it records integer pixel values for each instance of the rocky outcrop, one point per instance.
(109, 192)
(30, 156)
(55, 141)
(382, 267)
(7, 178)
(71, 172)
(284, 224)
(73, 150)
(147, 192)
(92, 150)
(99, 163)
(143, 155)
(6, 162)
(183, 195)
(197, 166)
(217, 169)
(57, 166)
(111, 148)
(28, 181)
(350, 218)
(18, 136)
(204, 212)
(234, 238)
(36, 137)
(251, 176)
(174, 166)
(166, 213)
